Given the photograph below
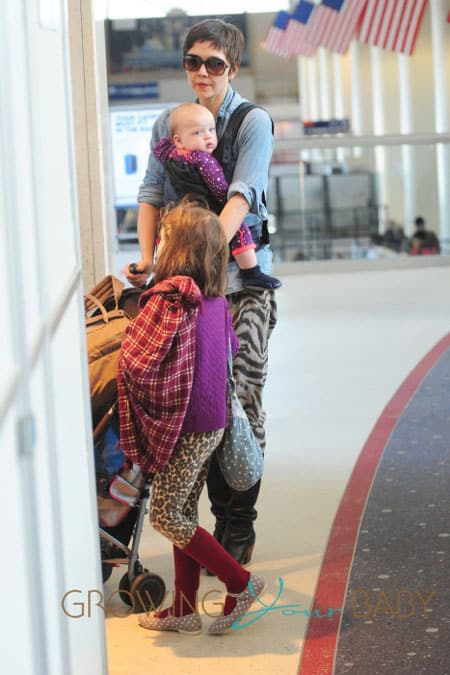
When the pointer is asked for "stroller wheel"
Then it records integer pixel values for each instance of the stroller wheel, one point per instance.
(124, 585)
(148, 591)
(106, 571)
(124, 590)
(145, 594)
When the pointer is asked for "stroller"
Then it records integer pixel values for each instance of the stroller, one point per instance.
(122, 490)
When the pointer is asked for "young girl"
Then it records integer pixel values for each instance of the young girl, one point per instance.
(187, 157)
(172, 403)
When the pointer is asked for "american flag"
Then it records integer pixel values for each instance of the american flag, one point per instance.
(275, 41)
(297, 41)
(341, 29)
(325, 13)
(392, 24)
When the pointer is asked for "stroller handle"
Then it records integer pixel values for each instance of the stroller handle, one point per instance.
(103, 423)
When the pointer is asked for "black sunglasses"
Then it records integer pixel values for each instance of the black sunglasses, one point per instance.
(213, 65)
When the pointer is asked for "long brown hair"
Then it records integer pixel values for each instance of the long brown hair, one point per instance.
(195, 245)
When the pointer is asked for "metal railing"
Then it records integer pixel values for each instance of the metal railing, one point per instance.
(323, 234)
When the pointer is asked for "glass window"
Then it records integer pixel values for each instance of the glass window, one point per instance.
(118, 9)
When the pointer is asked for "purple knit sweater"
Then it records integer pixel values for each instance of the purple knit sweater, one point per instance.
(207, 408)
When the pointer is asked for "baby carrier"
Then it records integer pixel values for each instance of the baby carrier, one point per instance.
(183, 178)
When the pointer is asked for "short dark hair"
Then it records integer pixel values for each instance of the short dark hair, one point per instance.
(419, 221)
(223, 35)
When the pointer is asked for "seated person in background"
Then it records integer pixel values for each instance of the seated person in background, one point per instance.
(423, 242)
(378, 249)
(395, 239)
(187, 157)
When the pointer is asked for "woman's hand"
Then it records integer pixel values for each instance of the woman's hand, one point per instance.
(137, 273)
(233, 213)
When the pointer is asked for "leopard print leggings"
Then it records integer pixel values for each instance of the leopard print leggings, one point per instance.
(176, 489)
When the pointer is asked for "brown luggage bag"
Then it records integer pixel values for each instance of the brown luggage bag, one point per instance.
(109, 308)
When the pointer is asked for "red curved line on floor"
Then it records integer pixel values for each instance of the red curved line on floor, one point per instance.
(321, 636)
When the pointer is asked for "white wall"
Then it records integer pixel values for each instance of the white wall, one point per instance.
(93, 161)
(49, 518)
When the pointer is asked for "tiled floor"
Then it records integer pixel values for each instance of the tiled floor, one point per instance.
(344, 343)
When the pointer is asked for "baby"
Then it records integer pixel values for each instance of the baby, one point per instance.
(187, 157)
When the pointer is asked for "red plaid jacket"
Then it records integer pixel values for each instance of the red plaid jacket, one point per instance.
(156, 369)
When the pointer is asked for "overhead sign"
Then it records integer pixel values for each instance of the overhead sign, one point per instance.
(332, 126)
(121, 92)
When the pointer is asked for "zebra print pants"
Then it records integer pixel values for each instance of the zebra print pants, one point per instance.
(254, 315)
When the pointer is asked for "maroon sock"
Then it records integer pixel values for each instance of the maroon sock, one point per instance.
(204, 548)
(230, 604)
(187, 581)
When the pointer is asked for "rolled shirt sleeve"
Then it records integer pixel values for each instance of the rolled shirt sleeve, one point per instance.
(255, 142)
(151, 190)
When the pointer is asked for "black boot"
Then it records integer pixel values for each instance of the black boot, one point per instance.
(240, 535)
(219, 529)
(220, 526)
(235, 513)
(219, 510)
(219, 495)
(239, 542)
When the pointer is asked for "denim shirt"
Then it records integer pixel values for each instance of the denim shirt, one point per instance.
(255, 143)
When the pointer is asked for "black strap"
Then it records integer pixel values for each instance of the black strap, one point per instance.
(224, 151)
(187, 181)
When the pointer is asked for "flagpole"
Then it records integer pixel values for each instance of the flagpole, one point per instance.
(323, 83)
(355, 77)
(441, 93)
(378, 130)
(313, 98)
(338, 97)
(304, 114)
(302, 89)
(303, 98)
(406, 127)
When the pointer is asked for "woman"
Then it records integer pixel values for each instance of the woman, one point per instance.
(211, 56)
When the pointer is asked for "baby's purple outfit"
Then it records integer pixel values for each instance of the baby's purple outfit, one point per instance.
(212, 175)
